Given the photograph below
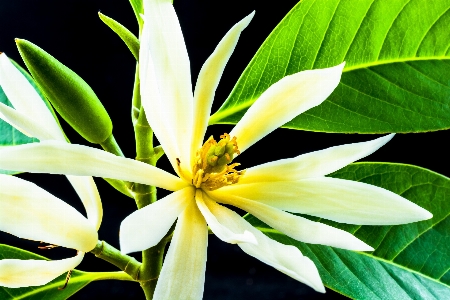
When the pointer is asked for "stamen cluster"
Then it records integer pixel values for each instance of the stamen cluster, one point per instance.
(211, 170)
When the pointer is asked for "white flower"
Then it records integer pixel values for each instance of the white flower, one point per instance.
(179, 120)
(40, 216)
(32, 117)
(29, 212)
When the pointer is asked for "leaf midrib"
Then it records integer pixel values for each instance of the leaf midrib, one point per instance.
(218, 116)
(276, 232)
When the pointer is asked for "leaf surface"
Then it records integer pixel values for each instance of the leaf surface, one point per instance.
(410, 261)
(397, 73)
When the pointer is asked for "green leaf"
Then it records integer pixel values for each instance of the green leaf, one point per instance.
(138, 8)
(78, 280)
(410, 261)
(127, 36)
(397, 73)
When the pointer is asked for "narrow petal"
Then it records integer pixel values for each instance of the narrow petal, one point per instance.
(313, 164)
(88, 193)
(145, 227)
(183, 272)
(339, 200)
(22, 123)
(208, 80)
(283, 101)
(62, 158)
(29, 212)
(222, 232)
(286, 259)
(26, 100)
(16, 273)
(297, 227)
(164, 43)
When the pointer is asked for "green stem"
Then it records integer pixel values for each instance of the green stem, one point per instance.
(112, 255)
(111, 276)
(111, 146)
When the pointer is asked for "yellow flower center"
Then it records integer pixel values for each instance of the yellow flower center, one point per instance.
(212, 169)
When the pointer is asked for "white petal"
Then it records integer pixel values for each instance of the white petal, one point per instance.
(297, 227)
(22, 122)
(286, 259)
(62, 158)
(164, 43)
(145, 227)
(222, 232)
(283, 101)
(313, 164)
(29, 212)
(16, 273)
(88, 193)
(340, 200)
(183, 272)
(26, 100)
(208, 80)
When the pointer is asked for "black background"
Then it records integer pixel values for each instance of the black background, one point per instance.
(71, 31)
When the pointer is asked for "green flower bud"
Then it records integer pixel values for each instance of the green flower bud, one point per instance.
(69, 94)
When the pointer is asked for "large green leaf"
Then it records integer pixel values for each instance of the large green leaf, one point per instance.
(410, 261)
(78, 280)
(397, 73)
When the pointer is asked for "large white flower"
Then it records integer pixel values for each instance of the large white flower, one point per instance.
(29, 212)
(179, 120)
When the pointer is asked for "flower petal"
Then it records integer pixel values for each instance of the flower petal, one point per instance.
(145, 227)
(283, 101)
(88, 193)
(340, 200)
(163, 42)
(29, 212)
(26, 100)
(16, 273)
(297, 227)
(286, 259)
(208, 80)
(222, 232)
(62, 158)
(183, 272)
(313, 164)
(23, 123)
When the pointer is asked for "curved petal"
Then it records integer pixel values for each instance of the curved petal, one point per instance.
(62, 158)
(313, 164)
(16, 273)
(183, 272)
(222, 232)
(297, 227)
(26, 100)
(286, 259)
(23, 123)
(208, 80)
(163, 42)
(29, 212)
(339, 200)
(283, 101)
(145, 227)
(88, 193)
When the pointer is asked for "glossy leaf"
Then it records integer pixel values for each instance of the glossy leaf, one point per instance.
(397, 73)
(410, 261)
(78, 280)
